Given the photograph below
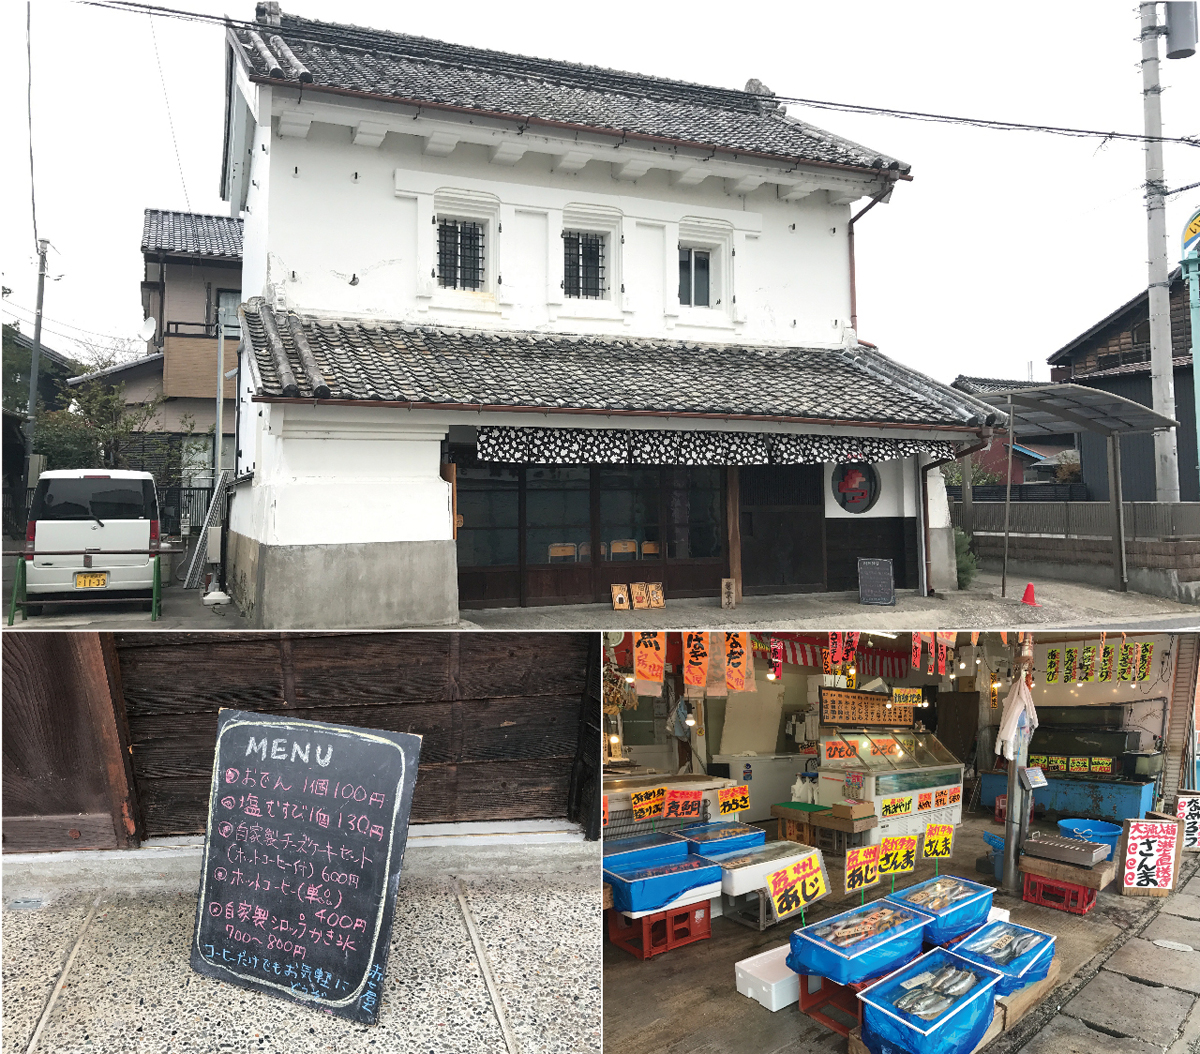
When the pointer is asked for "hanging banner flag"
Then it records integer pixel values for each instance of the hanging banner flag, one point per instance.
(1070, 661)
(852, 644)
(1052, 666)
(683, 805)
(898, 855)
(1125, 663)
(1145, 661)
(835, 649)
(1087, 663)
(941, 656)
(733, 799)
(737, 657)
(1004, 638)
(648, 804)
(777, 658)
(1106, 663)
(862, 868)
(695, 659)
(939, 841)
(932, 648)
(916, 651)
(826, 661)
(715, 683)
(649, 656)
(974, 637)
(604, 810)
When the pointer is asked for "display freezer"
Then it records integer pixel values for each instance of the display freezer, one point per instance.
(746, 870)
(769, 779)
(909, 777)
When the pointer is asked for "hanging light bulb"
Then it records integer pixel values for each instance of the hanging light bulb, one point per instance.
(690, 720)
(888, 705)
(771, 674)
(629, 678)
(962, 665)
(978, 661)
(614, 739)
(853, 670)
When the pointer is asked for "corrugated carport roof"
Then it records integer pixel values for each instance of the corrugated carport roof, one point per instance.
(1051, 409)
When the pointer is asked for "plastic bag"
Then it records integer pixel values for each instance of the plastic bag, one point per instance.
(955, 904)
(886, 941)
(1022, 955)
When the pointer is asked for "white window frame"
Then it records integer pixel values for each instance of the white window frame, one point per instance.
(472, 207)
(587, 218)
(715, 238)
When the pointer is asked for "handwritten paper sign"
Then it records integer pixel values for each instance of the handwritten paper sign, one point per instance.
(1052, 666)
(900, 806)
(1104, 765)
(1078, 765)
(737, 657)
(792, 888)
(649, 656)
(695, 659)
(1187, 808)
(682, 805)
(307, 824)
(898, 855)
(862, 868)
(1056, 763)
(840, 750)
(733, 799)
(647, 804)
(604, 810)
(841, 706)
(939, 841)
(1149, 857)
(906, 697)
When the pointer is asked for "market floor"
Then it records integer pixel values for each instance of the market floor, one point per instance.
(686, 1001)
(116, 962)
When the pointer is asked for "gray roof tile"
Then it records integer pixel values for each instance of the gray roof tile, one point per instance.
(191, 233)
(362, 360)
(405, 67)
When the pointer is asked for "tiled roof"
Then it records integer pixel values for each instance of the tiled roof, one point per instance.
(405, 364)
(978, 385)
(408, 68)
(1179, 362)
(192, 234)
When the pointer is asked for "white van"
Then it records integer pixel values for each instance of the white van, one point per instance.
(91, 509)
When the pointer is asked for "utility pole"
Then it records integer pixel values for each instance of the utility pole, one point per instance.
(34, 356)
(220, 396)
(1166, 453)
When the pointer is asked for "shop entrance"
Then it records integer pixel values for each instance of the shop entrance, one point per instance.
(783, 528)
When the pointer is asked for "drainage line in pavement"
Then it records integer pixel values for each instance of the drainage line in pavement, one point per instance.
(485, 967)
(61, 980)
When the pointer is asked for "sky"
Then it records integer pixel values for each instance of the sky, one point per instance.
(1003, 247)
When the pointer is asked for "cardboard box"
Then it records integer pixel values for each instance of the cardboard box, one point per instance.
(853, 809)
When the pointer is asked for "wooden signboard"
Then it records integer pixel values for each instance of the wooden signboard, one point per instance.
(620, 597)
(843, 706)
(640, 592)
(876, 582)
(657, 597)
(307, 824)
(1187, 808)
(1148, 856)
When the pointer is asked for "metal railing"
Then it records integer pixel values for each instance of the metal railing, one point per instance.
(1022, 492)
(1145, 521)
(176, 502)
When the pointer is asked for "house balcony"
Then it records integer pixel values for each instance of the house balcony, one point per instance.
(190, 360)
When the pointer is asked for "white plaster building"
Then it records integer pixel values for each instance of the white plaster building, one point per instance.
(511, 324)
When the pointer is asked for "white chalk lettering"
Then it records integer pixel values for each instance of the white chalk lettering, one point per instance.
(279, 749)
(301, 754)
(260, 748)
(328, 756)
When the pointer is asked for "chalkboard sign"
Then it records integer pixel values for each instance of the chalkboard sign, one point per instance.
(876, 584)
(307, 824)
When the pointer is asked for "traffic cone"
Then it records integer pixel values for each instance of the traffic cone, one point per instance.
(1028, 597)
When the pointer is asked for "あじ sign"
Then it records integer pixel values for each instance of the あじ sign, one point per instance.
(795, 887)
(307, 824)
(862, 868)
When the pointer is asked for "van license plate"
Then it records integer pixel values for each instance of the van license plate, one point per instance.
(91, 581)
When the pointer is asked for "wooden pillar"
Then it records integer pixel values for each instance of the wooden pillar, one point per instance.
(1116, 498)
(733, 528)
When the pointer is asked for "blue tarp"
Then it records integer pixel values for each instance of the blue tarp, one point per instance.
(644, 848)
(724, 836)
(650, 888)
(813, 955)
(959, 1028)
(954, 919)
(1032, 965)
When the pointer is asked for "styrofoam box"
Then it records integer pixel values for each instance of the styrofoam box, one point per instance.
(768, 979)
(998, 914)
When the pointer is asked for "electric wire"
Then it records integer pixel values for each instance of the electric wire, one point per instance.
(991, 124)
(170, 121)
(29, 107)
(10, 305)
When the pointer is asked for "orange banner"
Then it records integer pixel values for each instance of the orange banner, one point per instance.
(649, 656)
(604, 810)
(695, 659)
(737, 656)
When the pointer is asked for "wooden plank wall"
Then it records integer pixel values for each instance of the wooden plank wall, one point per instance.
(500, 713)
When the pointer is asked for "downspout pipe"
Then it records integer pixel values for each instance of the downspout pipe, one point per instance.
(850, 242)
(985, 439)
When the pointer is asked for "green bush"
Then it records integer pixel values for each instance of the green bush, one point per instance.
(964, 559)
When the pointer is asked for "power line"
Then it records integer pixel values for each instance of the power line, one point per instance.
(29, 105)
(820, 104)
(11, 305)
(170, 121)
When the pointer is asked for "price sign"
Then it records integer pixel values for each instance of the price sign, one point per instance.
(1037, 761)
(733, 799)
(795, 887)
(648, 804)
(896, 806)
(1077, 765)
(1149, 865)
(862, 868)
(1104, 765)
(1187, 808)
(604, 810)
(924, 802)
(939, 841)
(898, 855)
(682, 805)
(1056, 763)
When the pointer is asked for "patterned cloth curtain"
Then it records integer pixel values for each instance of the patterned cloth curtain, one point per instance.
(622, 446)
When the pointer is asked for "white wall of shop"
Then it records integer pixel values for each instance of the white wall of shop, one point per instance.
(897, 491)
(323, 213)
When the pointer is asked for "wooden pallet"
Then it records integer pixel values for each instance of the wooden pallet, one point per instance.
(1089, 877)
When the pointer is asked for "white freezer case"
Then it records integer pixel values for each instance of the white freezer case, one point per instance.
(769, 778)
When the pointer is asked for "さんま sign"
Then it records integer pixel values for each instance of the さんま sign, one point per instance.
(939, 841)
(898, 855)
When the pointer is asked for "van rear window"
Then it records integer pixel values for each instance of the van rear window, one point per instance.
(97, 498)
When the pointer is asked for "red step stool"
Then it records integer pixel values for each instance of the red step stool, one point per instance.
(1050, 893)
(661, 932)
(843, 996)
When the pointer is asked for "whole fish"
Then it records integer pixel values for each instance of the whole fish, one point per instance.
(963, 983)
(940, 1004)
(927, 998)
(943, 975)
(1018, 948)
(908, 998)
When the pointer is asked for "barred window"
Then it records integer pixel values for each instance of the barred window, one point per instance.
(460, 254)
(583, 264)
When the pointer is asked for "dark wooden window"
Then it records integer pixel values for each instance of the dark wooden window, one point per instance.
(460, 254)
(629, 521)
(558, 519)
(488, 503)
(583, 265)
(693, 507)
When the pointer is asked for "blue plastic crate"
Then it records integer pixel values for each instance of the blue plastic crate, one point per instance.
(650, 888)
(649, 848)
(724, 836)
(958, 1028)
(1030, 966)
(954, 919)
(813, 955)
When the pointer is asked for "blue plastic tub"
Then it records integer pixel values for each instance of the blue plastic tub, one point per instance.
(815, 956)
(625, 853)
(653, 887)
(1033, 965)
(954, 919)
(1092, 831)
(722, 836)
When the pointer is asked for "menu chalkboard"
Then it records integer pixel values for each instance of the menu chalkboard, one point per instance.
(876, 583)
(307, 824)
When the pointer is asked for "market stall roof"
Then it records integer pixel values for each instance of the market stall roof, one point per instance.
(1051, 409)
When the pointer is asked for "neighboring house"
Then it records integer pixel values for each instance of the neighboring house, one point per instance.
(1114, 355)
(1028, 458)
(519, 330)
(53, 371)
(193, 266)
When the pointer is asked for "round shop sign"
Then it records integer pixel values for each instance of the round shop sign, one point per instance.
(855, 486)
